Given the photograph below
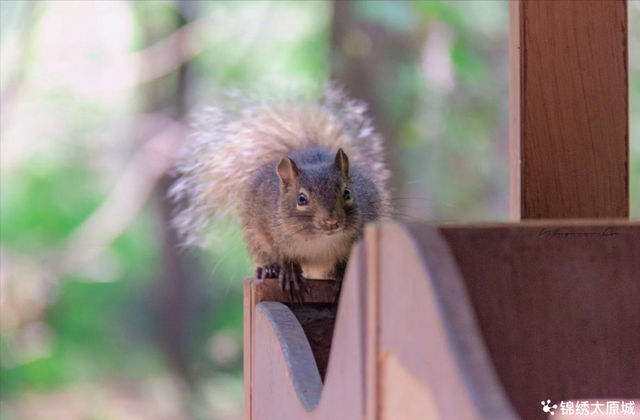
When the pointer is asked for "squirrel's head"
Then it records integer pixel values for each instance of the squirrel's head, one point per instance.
(317, 198)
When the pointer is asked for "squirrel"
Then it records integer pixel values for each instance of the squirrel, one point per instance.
(303, 177)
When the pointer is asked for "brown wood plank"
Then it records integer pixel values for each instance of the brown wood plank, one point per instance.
(558, 305)
(320, 291)
(318, 322)
(569, 110)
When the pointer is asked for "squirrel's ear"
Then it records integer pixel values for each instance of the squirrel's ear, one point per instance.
(342, 162)
(287, 170)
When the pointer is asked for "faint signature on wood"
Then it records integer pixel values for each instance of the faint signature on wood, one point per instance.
(559, 232)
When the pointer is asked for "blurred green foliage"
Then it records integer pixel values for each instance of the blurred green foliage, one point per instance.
(81, 336)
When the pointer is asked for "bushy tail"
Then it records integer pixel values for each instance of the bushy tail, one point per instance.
(227, 147)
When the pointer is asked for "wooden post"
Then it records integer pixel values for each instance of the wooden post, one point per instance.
(256, 291)
(569, 111)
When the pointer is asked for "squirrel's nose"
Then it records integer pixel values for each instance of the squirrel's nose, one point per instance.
(331, 222)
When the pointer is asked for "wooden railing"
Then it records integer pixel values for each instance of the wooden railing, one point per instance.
(456, 322)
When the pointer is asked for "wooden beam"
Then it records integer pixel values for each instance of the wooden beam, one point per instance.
(569, 111)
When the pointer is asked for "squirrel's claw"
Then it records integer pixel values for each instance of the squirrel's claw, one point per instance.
(293, 285)
(273, 270)
(269, 271)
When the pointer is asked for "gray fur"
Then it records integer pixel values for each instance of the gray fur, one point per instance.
(228, 167)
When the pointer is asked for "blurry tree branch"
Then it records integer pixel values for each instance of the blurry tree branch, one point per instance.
(181, 46)
(170, 53)
(167, 55)
(134, 188)
(366, 58)
(184, 44)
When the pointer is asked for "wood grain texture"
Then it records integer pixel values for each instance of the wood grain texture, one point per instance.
(558, 305)
(569, 109)
(268, 290)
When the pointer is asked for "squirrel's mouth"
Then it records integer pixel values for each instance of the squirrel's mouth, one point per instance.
(330, 232)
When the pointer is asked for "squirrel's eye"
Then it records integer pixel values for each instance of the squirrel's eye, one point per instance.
(302, 200)
(347, 194)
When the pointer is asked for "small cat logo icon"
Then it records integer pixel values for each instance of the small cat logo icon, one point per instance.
(547, 408)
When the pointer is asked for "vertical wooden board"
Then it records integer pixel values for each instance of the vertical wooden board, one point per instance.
(558, 305)
(572, 103)
(343, 393)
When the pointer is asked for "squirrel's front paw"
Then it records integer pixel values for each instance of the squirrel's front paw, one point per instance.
(292, 283)
(269, 271)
